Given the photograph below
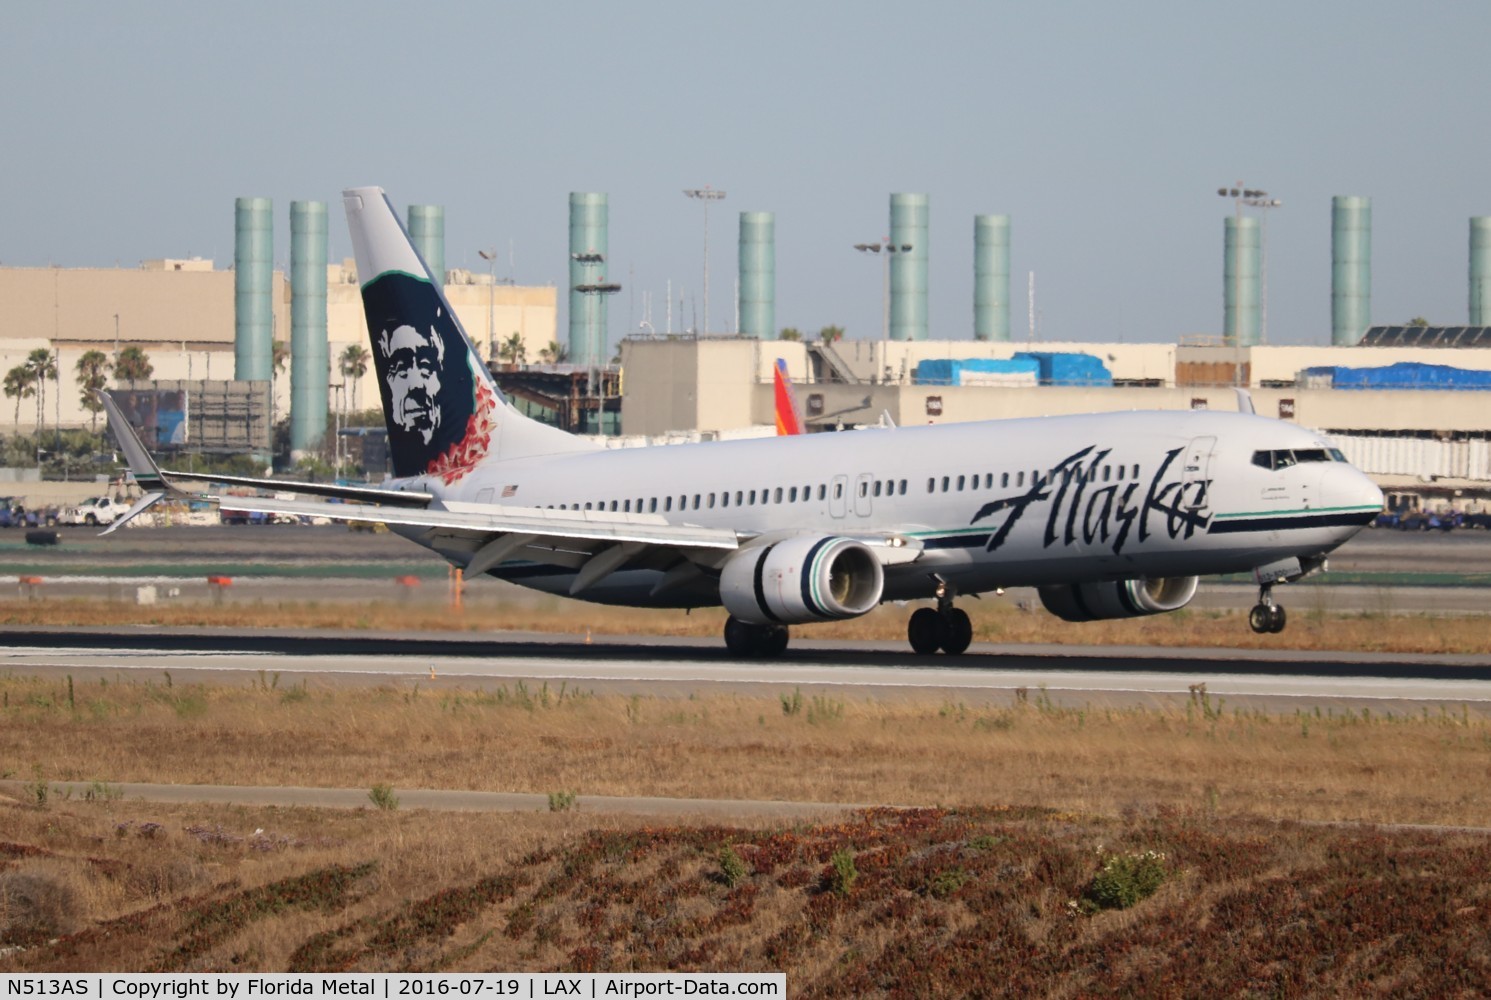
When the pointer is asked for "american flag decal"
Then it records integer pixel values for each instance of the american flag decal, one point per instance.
(508, 491)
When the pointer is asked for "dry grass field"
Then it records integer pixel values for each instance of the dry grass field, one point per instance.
(1183, 849)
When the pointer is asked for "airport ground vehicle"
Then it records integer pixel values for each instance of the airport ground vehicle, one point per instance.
(94, 510)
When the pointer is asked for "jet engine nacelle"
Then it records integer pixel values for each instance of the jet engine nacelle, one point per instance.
(810, 578)
(1087, 602)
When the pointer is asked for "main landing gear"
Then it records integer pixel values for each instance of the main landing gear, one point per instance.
(745, 639)
(945, 627)
(1266, 616)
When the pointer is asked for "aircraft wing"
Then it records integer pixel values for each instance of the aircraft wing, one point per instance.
(592, 543)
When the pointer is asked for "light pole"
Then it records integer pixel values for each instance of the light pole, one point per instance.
(1240, 196)
(490, 256)
(705, 194)
(890, 249)
(1265, 204)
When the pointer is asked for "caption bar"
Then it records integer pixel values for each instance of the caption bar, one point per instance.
(391, 986)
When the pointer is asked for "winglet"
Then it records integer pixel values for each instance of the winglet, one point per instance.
(1244, 400)
(140, 464)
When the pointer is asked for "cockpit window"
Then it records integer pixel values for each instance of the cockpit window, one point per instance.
(1283, 458)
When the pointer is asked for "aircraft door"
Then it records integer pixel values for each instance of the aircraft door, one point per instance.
(862, 494)
(1196, 473)
(838, 496)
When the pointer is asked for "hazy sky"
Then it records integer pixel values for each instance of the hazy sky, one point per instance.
(1102, 129)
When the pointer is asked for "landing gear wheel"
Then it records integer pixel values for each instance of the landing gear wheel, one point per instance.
(745, 639)
(740, 638)
(1278, 620)
(924, 631)
(955, 630)
(774, 642)
(1268, 618)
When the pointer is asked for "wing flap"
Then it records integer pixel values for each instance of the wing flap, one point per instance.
(538, 522)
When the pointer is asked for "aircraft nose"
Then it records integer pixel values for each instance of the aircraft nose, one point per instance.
(1350, 491)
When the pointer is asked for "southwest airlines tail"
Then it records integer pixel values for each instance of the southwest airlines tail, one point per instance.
(444, 413)
(789, 418)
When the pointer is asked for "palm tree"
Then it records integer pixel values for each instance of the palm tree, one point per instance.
(42, 366)
(830, 334)
(20, 383)
(354, 365)
(513, 350)
(791, 333)
(555, 354)
(133, 365)
(93, 369)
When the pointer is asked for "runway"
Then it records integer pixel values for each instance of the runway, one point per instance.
(1065, 675)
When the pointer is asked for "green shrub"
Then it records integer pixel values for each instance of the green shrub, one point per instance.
(842, 878)
(733, 869)
(1124, 880)
(561, 801)
(384, 798)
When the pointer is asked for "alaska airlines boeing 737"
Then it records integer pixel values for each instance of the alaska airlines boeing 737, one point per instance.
(1112, 515)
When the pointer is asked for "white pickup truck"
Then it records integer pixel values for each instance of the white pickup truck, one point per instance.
(94, 510)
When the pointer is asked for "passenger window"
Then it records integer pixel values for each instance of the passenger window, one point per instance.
(877, 487)
(822, 491)
(945, 482)
(652, 506)
(1020, 478)
(711, 501)
(792, 495)
(864, 488)
(739, 496)
(903, 487)
(696, 501)
(667, 504)
(626, 508)
(838, 491)
(931, 485)
(587, 505)
(753, 498)
(1004, 480)
(777, 495)
(960, 484)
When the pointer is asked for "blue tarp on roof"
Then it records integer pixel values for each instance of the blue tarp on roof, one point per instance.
(1060, 368)
(942, 371)
(1404, 375)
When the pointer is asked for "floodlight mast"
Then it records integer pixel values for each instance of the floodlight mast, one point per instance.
(1253, 198)
(706, 194)
(891, 249)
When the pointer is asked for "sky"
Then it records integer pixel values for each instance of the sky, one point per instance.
(1103, 130)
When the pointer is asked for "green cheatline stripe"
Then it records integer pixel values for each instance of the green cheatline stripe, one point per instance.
(1298, 510)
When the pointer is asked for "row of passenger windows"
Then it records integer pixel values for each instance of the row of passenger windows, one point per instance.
(985, 480)
(865, 488)
(740, 498)
(1283, 458)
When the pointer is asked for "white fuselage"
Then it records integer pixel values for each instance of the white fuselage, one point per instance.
(991, 504)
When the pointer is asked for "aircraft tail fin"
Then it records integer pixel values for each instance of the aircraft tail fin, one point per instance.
(444, 412)
(789, 417)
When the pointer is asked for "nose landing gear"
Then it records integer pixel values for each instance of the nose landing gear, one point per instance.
(1266, 616)
(945, 627)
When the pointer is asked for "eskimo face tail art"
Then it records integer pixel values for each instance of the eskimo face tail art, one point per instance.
(440, 410)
